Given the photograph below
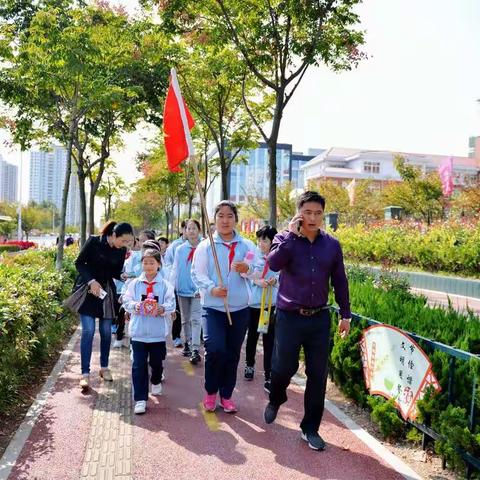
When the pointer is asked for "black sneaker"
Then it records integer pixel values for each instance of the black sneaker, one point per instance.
(249, 373)
(270, 413)
(314, 440)
(266, 385)
(186, 352)
(195, 357)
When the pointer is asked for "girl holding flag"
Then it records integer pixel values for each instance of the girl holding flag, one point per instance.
(262, 307)
(223, 341)
(187, 292)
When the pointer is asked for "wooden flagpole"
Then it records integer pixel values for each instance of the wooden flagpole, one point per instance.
(193, 162)
(209, 233)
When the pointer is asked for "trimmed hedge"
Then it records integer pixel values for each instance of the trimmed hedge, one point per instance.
(32, 321)
(388, 300)
(9, 248)
(451, 247)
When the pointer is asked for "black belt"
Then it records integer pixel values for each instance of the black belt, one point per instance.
(308, 312)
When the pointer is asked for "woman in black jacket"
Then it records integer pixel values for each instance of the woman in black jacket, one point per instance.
(99, 262)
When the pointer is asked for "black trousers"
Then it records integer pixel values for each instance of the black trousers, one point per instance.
(145, 354)
(267, 340)
(293, 331)
(177, 323)
(120, 322)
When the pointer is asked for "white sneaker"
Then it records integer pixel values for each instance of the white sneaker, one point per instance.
(156, 389)
(118, 344)
(140, 407)
(85, 382)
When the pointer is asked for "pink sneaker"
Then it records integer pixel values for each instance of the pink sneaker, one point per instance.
(210, 402)
(228, 405)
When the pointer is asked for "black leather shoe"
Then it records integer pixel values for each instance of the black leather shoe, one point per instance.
(314, 440)
(270, 413)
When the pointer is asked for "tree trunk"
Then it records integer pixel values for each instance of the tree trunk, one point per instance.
(167, 230)
(272, 157)
(109, 208)
(83, 206)
(66, 186)
(91, 210)
(190, 206)
(224, 176)
(178, 215)
(224, 173)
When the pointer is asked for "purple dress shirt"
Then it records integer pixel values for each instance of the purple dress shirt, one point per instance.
(306, 270)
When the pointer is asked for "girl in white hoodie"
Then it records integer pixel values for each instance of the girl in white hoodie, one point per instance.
(149, 299)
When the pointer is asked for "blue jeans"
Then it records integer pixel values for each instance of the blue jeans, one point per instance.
(88, 331)
(223, 343)
(143, 355)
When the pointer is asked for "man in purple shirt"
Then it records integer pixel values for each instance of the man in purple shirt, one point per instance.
(308, 259)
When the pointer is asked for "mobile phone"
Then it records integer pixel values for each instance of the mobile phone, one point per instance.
(299, 226)
(102, 294)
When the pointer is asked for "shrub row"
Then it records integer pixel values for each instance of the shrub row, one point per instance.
(32, 321)
(9, 248)
(388, 300)
(451, 247)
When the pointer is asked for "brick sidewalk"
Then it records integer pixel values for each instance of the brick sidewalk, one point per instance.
(108, 452)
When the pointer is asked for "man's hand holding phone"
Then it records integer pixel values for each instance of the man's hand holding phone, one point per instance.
(296, 224)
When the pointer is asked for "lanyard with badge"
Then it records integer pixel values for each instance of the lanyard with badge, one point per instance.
(266, 305)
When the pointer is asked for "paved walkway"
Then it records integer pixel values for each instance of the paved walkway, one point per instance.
(458, 302)
(95, 435)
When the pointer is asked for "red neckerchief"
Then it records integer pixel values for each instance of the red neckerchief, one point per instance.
(149, 287)
(190, 255)
(231, 247)
(265, 268)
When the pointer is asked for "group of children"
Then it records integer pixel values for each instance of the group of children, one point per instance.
(160, 285)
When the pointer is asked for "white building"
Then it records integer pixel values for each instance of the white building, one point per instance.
(8, 181)
(47, 176)
(344, 164)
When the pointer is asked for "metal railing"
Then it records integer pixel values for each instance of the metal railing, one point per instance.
(454, 354)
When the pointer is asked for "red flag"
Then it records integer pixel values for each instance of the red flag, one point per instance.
(177, 123)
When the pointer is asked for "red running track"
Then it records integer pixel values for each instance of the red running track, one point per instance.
(175, 439)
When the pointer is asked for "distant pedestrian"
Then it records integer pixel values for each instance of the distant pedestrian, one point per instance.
(168, 258)
(148, 299)
(187, 292)
(264, 288)
(99, 262)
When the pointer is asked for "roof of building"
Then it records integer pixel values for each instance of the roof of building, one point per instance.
(339, 154)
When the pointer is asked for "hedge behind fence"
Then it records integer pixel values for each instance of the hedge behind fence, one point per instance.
(32, 321)
(388, 300)
(451, 247)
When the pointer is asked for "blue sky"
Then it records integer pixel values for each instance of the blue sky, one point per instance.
(417, 91)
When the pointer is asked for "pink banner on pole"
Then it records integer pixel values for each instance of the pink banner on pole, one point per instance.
(445, 170)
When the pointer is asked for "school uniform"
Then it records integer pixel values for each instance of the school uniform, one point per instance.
(187, 294)
(261, 271)
(223, 342)
(148, 333)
